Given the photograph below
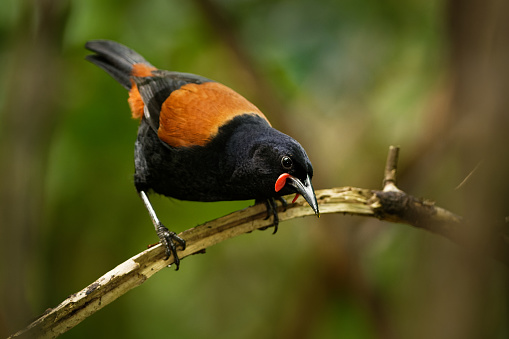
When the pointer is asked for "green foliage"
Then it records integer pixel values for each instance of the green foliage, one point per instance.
(352, 76)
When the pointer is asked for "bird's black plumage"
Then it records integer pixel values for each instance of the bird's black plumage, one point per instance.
(199, 140)
(242, 162)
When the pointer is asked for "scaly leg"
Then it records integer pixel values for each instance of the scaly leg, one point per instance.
(272, 211)
(166, 237)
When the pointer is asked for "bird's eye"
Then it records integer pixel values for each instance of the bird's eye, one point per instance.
(286, 162)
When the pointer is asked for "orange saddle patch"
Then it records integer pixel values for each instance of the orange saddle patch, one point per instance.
(193, 114)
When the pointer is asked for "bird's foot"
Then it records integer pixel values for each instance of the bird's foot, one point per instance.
(170, 240)
(272, 211)
(284, 203)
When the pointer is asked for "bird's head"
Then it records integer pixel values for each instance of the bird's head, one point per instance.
(282, 165)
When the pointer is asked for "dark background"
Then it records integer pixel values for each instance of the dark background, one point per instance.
(345, 78)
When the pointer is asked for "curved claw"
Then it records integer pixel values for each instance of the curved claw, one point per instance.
(168, 240)
(284, 203)
(272, 211)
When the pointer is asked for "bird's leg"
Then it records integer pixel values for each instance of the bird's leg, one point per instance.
(284, 203)
(166, 237)
(272, 211)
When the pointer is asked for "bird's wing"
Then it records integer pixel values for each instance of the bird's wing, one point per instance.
(187, 110)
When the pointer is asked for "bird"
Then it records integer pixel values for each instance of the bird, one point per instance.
(199, 140)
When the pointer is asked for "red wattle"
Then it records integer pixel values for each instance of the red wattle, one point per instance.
(296, 197)
(281, 181)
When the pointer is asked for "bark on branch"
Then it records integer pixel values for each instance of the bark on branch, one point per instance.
(390, 204)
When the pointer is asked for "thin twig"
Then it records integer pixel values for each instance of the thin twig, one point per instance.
(391, 165)
(469, 175)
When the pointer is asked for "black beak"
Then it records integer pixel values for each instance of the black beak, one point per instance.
(306, 190)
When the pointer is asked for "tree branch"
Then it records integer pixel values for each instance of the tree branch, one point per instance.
(390, 204)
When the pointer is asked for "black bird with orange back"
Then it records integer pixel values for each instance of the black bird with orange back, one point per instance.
(200, 140)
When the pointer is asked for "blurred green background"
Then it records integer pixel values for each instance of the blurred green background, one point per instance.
(345, 78)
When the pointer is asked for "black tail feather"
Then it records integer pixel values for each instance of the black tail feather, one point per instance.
(114, 58)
